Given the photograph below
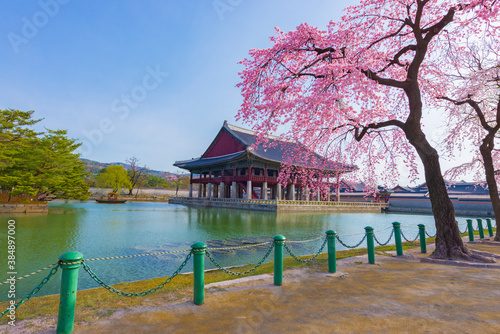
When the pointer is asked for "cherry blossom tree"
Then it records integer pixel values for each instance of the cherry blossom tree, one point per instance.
(356, 91)
(473, 106)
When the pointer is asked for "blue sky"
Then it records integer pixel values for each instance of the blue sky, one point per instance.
(151, 79)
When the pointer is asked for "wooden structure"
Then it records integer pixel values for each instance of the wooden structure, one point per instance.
(235, 166)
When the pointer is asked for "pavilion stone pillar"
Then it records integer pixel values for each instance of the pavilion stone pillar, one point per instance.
(209, 190)
(233, 190)
(264, 190)
(222, 189)
(249, 189)
(278, 191)
(318, 196)
(199, 190)
(306, 193)
(190, 190)
(291, 192)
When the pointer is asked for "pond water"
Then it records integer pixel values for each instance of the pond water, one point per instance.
(103, 230)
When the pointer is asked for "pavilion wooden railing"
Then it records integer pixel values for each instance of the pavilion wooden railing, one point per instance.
(237, 178)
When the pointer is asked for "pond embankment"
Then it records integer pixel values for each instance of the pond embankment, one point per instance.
(24, 208)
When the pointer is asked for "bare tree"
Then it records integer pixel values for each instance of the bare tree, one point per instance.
(135, 172)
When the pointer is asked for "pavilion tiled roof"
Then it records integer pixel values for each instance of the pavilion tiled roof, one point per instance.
(275, 150)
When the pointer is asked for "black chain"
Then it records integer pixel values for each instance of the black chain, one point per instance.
(306, 260)
(234, 273)
(34, 291)
(430, 236)
(347, 246)
(385, 243)
(136, 294)
(418, 234)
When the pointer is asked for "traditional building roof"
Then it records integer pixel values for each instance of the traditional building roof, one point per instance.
(401, 189)
(233, 143)
(458, 187)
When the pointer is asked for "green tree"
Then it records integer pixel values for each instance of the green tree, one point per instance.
(179, 181)
(154, 181)
(114, 176)
(15, 133)
(41, 165)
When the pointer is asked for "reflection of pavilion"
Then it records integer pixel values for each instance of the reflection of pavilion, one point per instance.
(237, 169)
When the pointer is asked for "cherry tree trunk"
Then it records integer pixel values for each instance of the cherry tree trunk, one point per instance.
(449, 244)
(492, 184)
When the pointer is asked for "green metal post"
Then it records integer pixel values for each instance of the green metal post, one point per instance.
(370, 245)
(70, 263)
(423, 242)
(470, 229)
(480, 228)
(490, 228)
(397, 236)
(279, 242)
(199, 249)
(332, 256)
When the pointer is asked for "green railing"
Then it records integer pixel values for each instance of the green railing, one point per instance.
(70, 263)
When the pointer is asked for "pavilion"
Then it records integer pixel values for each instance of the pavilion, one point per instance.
(236, 166)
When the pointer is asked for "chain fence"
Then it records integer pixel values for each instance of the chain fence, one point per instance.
(385, 243)
(136, 294)
(306, 260)
(466, 228)
(239, 247)
(430, 236)
(33, 273)
(234, 273)
(413, 240)
(138, 255)
(347, 246)
(34, 291)
(303, 241)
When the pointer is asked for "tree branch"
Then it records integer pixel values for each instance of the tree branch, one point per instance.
(364, 129)
(476, 108)
(384, 81)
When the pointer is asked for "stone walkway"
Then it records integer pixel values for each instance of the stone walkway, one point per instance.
(396, 295)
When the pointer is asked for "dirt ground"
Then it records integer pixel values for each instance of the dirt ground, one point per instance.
(395, 295)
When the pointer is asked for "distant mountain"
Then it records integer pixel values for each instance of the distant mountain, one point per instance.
(95, 166)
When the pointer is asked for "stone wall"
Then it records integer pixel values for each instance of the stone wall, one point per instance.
(329, 208)
(271, 205)
(24, 208)
(470, 213)
(204, 203)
